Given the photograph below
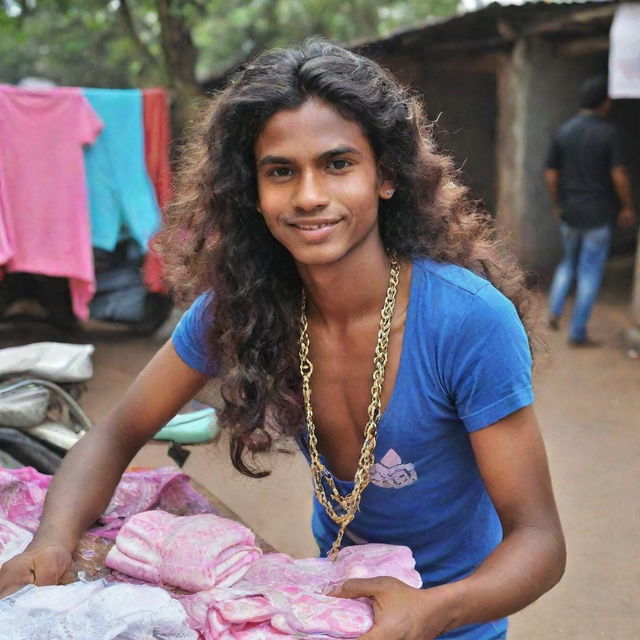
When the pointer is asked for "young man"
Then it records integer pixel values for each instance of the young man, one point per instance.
(344, 315)
(587, 179)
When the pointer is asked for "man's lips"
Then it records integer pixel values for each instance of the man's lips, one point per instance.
(314, 229)
(314, 224)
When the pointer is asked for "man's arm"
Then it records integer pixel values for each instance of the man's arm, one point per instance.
(529, 561)
(89, 473)
(552, 180)
(622, 186)
(552, 175)
(531, 558)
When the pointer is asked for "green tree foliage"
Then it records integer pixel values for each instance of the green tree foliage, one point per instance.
(238, 29)
(179, 43)
(95, 43)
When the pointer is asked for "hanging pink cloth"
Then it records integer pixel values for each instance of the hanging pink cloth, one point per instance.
(157, 136)
(44, 214)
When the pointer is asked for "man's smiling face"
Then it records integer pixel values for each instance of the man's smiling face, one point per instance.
(318, 183)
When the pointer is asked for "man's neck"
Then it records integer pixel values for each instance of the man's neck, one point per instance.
(593, 112)
(342, 291)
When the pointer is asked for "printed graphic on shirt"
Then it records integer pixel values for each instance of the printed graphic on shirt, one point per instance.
(391, 473)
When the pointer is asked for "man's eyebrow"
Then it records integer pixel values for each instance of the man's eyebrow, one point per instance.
(339, 151)
(283, 160)
(274, 160)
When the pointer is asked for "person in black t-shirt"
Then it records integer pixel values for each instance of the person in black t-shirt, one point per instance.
(589, 185)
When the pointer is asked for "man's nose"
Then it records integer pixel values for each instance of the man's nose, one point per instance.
(310, 193)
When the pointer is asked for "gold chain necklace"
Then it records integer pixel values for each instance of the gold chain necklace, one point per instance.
(350, 503)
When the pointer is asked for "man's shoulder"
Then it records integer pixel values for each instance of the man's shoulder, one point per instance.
(582, 122)
(448, 277)
(458, 294)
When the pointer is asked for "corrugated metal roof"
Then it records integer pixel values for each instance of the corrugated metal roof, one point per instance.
(499, 24)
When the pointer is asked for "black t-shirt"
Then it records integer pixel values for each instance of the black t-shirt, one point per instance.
(584, 150)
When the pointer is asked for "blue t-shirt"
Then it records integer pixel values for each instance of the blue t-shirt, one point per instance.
(121, 194)
(465, 364)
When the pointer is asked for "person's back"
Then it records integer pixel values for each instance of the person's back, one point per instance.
(589, 185)
(584, 150)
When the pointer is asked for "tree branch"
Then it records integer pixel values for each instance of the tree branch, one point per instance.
(127, 20)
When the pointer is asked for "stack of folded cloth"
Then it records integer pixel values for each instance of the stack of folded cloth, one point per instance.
(275, 612)
(236, 593)
(140, 490)
(193, 553)
(281, 597)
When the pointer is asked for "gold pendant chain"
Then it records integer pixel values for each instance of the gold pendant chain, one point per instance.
(350, 503)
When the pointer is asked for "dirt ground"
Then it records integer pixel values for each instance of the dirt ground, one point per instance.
(588, 403)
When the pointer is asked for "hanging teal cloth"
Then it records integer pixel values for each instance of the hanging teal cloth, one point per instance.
(122, 200)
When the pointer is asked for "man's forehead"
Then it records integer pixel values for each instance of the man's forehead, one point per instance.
(313, 129)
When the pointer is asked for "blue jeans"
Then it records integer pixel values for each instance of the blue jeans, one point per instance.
(585, 256)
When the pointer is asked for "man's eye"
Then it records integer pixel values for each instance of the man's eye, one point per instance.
(280, 172)
(339, 164)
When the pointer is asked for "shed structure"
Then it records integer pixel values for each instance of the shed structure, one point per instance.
(499, 81)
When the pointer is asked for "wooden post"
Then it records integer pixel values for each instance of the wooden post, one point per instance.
(635, 302)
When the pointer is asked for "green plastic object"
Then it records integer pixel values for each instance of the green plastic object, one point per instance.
(190, 428)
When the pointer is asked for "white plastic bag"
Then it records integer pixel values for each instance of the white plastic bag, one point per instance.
(55, 361)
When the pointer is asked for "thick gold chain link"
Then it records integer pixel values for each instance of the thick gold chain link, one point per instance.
(349, 504)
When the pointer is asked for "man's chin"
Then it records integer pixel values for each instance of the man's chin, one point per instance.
(318, 255)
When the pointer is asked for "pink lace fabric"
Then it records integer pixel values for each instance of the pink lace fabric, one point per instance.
(282, 597)
(22, 494)
(23, 491)
(165, 488)
(284, 611)
(323, 575)
(13, 540)
(193, 553)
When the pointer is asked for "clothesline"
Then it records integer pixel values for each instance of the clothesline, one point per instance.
(78, 168)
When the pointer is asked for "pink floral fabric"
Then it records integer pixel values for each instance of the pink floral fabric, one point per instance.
(13, 540)
(287, 609)
(22, 494)
(282, 597)
(193, 553)
(23, 491)
(165, 488)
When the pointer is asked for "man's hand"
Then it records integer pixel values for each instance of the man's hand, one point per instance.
(627, 218)
(41, 566)
(400, 612)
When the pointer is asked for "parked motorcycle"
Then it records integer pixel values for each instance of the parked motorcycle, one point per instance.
(41, 419)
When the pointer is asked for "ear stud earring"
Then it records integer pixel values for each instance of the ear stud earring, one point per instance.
(389, 192)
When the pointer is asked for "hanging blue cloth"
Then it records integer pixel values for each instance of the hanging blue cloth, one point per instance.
(122, 201)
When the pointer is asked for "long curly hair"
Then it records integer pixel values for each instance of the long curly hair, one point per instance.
(214, 238)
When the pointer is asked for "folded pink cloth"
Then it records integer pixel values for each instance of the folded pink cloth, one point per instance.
(260, 631)
(295, 611)
(282, 597)
(323, 575)
(193, 553)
